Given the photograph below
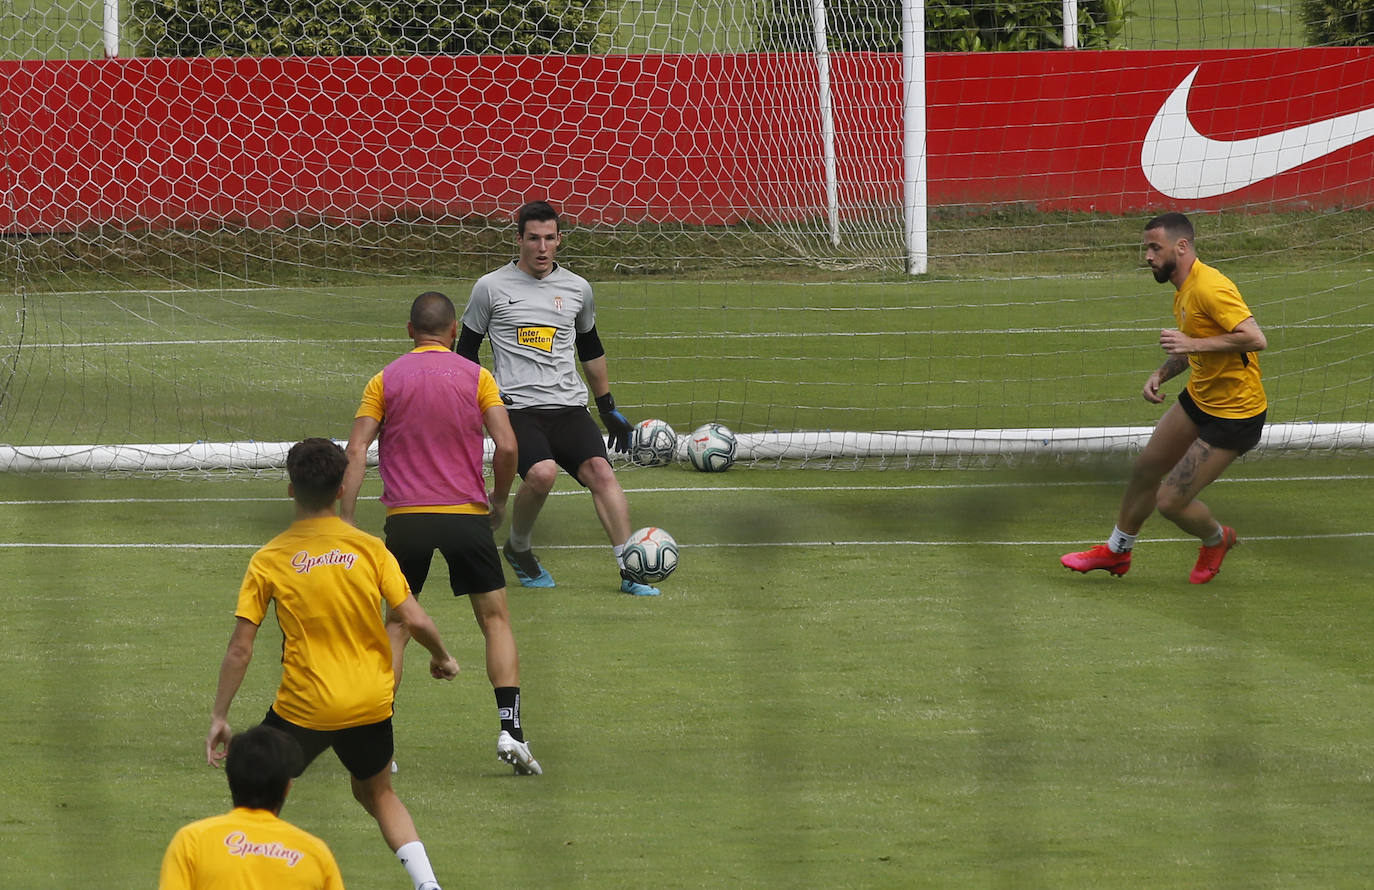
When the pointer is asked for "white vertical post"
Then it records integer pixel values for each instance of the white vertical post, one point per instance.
(109, 28)
(832, 185)
(914, 200)
(1070, 24)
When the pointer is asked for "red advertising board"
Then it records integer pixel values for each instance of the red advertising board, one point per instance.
(709, 139)
(1134, 131)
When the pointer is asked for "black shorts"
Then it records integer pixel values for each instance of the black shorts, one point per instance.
(464, 539)
(363, 750)
(566, 435)
(1238, 435)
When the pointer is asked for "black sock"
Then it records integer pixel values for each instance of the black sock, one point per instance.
(508, 706)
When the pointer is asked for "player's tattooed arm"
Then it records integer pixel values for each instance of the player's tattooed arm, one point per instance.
(1172, 367)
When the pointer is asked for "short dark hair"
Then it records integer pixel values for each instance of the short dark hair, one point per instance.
(432, 313)
(316, 468)
(260, 764)
(534, 211)
(1174, 224)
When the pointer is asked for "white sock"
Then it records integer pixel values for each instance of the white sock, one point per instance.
(1120, 542)
(416, 861)
(518, 542)
(619, 551)
(1215, 539)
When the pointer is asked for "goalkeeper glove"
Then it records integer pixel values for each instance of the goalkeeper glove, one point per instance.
(617, 426)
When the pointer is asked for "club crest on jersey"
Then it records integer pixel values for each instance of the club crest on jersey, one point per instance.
(557, 303)
(536, 337)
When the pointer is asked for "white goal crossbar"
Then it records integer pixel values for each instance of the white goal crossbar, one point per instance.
(803, 446)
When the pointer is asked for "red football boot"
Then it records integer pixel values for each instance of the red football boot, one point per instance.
(1100, 557)
(1209, 558)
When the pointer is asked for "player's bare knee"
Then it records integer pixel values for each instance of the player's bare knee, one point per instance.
(1146, 472)
(490, 614)
(598, 475)
(1171, 504)
(541, 477)
(364, 794)
(495, 627)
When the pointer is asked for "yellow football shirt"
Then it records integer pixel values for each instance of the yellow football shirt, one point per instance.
(1223, 384)
(328, 580)
(247, 849)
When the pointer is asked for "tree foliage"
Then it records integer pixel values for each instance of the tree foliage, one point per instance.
(1339, 22)
(951, 25)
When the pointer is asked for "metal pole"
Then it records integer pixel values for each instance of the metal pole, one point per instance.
(109, 28)
(914, 202)
(832, 185)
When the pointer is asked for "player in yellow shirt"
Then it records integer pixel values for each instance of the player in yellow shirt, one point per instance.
(250, 848)
(328, 581)
(1218, 417)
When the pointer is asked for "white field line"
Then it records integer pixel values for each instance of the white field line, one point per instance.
(679, 335)
(711, 489)
(192, 545)
(700, 489)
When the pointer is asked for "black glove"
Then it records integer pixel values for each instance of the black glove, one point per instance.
(618, 428)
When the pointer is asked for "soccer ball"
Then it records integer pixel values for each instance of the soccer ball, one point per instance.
(653, 443)
(650, 555)
(711, 448)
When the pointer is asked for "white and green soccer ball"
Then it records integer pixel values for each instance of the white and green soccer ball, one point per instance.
(711, 448)
(650, 555)
(653, 443)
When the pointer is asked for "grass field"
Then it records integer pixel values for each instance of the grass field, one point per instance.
(854, 680)
(180, 365)
(1213, 24)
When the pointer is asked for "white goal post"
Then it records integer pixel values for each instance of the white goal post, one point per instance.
(897, 448)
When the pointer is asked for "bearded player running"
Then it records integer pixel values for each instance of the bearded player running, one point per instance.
(1218, 417)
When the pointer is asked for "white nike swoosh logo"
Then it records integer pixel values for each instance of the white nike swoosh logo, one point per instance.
(1182, 163)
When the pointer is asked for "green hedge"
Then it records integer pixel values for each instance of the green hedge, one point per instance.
(387, 27)
(365, 27)
(1339, 22)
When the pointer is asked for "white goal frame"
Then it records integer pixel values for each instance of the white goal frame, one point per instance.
(803, 447)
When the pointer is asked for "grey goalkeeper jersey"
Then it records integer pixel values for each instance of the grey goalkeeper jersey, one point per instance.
(533, 325)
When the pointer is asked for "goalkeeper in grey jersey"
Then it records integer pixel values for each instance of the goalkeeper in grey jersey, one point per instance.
(542, 323)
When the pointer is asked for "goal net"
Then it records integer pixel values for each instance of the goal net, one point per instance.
(210, 241)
